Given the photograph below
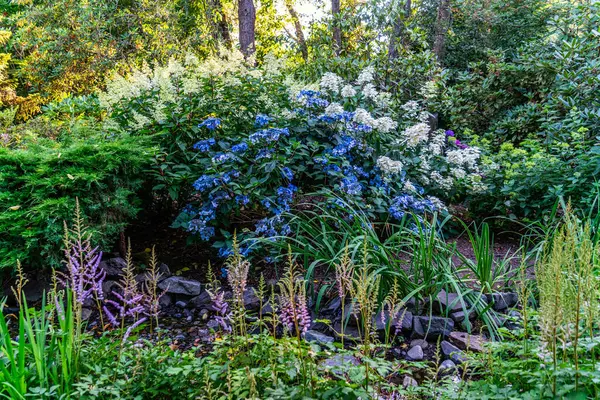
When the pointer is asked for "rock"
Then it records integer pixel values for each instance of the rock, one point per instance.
(34, 291)
(452, 352)
(380, 324)
(251, 300)
(318, 337)
(181, 304)
(86, 313)
(415, 354)
(321, 327)
(165, 300)
(458, 316)
(432, 328)
(397, 353)
(339, 363)
(212, 324)
(467, 342)
(447, 367)
(179, 285)
(350, 332)
(503, 301)
(409, 381)
(109, 286)
(514, 320)
(446, 303)
(113, 267)
(203, 300)
(203, 314)
(419, 342)
(333, 308)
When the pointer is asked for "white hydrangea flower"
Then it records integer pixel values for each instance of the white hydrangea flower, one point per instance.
(334, 108)
(383, 99)
(366, 76)
(428, 90)
(441, 182)
(437, 203)
(424, 116)
(411, 107)
(362, 116)
(331, 82)
(416, 134)
(437, 144)
(348, 91)
(464, 157)
(385, 124)
(370, 92)
(458, 172)
(409, 187)
(389, 166)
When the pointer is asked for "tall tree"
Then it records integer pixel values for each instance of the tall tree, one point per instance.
(247, 27)
(337, 32)
(398, 34)
(442, 25)
(219, 22)
(298, 27)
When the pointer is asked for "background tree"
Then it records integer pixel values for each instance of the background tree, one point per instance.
(247, 27)
(442, 24)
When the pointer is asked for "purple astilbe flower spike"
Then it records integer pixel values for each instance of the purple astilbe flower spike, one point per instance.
(132, 327)
(303, 314)
(221, 307)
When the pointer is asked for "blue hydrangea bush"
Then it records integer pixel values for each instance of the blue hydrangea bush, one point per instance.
(340, 138)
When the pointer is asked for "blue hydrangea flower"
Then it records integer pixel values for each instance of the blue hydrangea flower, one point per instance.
(346, 144)
(204, 183)
(262, 120)
(287, 173)
(406, 203)
(269, 135)
(242, 199)
(210, 123)
(222, 157)
(351, 185)
(204, 145)
(264, 153)
(240, 147)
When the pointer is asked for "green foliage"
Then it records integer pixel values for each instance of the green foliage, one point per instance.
(40, 179)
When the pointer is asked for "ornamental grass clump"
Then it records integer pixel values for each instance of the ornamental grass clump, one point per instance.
(568, 290)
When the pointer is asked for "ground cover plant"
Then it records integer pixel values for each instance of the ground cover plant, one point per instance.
(299, 200)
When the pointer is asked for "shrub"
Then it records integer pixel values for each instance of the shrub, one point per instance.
(41, 178)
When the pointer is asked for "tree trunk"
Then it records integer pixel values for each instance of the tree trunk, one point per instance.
(442, 24)
(337, 32)
(221, 27)
(398, 33)
(298, 27)
(247, 21)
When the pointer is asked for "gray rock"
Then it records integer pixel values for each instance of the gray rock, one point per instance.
(86, 313)
(339, 363)
(179, 285)
(464, 341)
(212, 324)
(109, 286)
(447, 367)
(458, 316)
(419, 342)
(447, 303)
(409, 381)
(318, 337)
(251, 300)
(415, 354)
(380, 324)
(333, 308)
(351, 333)
(432, 328)
(181, 304)
(113, 267)
(503, 301)
(203, 300)
(452, 352)
(165, 300)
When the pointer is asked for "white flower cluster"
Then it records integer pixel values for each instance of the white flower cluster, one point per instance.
(334, 108)
(416, 134)
(367, 75)
(464, 157)
(389, 166)
(331, 82)
(348, 91)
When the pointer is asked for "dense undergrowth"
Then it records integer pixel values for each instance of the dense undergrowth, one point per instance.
(340, 179)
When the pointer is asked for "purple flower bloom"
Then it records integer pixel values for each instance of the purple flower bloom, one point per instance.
(204, 145)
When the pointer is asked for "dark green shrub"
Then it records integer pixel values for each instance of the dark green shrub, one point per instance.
(41, 178)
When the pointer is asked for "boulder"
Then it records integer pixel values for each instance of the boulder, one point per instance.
(318, 337)
(113, 267)
(180, 285)
(251, 300)
(165, 300)
(432, 328)
(409, 381)
(467, 342)
(446, 303)
(419, 342)
(415, 354)
(503, 301)
(452, 352)
(203, 300)
(447, 367)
